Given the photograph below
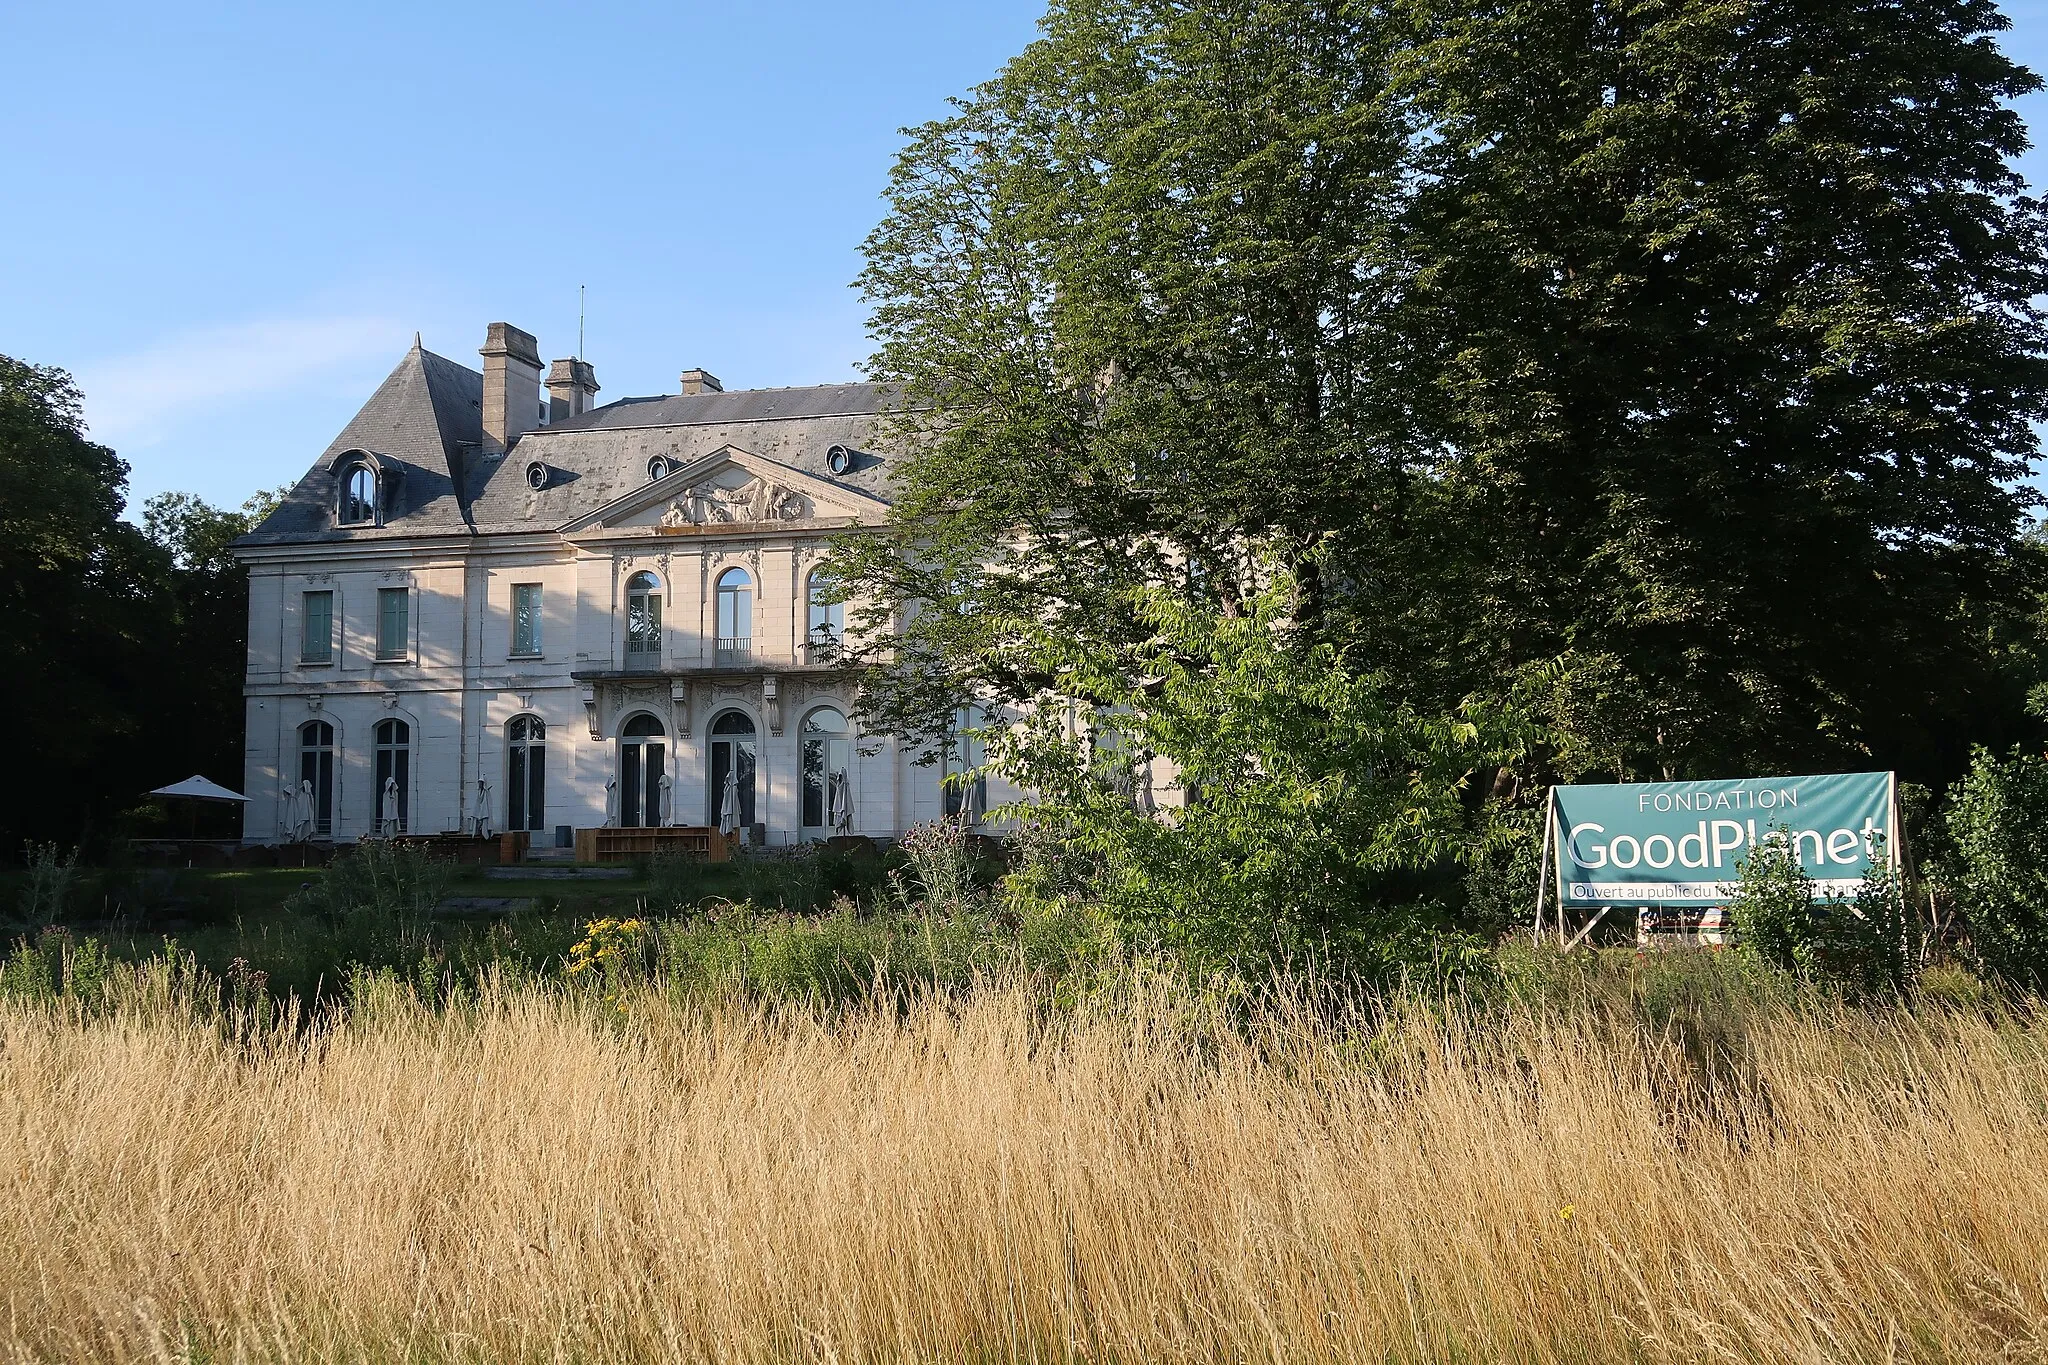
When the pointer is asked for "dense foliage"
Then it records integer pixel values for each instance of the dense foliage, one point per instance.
(121, 663)
(1866, 944)
(1997, 864)
(1665, 371)
(1726, 356)
(1311, 779)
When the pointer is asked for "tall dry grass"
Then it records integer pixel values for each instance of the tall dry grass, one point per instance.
(527, 1179)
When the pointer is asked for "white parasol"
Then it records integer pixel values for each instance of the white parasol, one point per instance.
(199, 789)
(196, 789)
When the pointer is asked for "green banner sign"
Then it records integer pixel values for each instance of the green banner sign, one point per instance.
(1683, 843)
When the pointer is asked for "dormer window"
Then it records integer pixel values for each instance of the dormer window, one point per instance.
(536, 476)
(657, 468)
(838, 459)
(358, 496)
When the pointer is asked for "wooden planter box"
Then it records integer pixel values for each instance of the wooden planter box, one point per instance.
(632, 845)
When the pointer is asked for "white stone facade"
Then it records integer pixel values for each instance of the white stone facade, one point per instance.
(421, 601)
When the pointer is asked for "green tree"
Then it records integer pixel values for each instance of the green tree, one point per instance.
(1693, 344)
(197, 721)
(1302, 785)
(1997, 864)
(1133, 294)
(82, 593)
(1723, 321)
(1864, 945)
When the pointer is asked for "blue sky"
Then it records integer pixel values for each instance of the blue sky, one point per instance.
(228, 220)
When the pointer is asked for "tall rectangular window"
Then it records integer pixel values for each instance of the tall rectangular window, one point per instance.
(394, 622)
(526, 618)
(316, 629)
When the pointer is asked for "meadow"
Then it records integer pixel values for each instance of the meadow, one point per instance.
(1589, 1159)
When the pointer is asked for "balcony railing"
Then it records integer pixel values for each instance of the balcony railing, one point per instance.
(735, 651)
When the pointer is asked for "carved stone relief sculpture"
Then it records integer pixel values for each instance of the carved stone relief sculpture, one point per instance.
(757, 500)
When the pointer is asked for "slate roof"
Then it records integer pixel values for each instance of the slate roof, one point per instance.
(426, 420)
(741, 405)
(422, 422)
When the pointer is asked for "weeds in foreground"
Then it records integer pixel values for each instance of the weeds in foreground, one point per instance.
(1158, 1168)
(51, 884)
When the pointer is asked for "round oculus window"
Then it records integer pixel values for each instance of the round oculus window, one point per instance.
(657, 468)
(536, 476)
(839, 459)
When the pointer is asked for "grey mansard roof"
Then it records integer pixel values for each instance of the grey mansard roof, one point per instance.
(425, 424)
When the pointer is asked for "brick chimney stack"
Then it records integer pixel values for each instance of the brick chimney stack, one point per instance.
(511, 385)
(701, 381)
(571, 386)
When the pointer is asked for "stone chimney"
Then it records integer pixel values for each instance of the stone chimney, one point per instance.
(571, 386)
(511, 385)
(701, 381)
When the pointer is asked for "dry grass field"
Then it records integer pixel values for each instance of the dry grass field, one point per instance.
(540, 1177)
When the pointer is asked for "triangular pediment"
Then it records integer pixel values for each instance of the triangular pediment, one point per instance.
(731, 489)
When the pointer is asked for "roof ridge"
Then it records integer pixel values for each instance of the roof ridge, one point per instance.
(436, 355)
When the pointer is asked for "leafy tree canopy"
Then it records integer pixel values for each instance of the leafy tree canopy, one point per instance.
(1692, 345)
(79, 588)
(121, 664)
(1314, 781)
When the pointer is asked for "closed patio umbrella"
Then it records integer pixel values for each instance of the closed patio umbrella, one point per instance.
(839, 797)
(729, 804)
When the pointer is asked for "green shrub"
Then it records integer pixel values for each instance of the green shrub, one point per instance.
(34, 971)
(51, 885)
(1953, 986)
(1311, 780)
(1864, 945)
(378, 883)
(745, 947)
(940, 872)
(85, 973)
(1996, 868)
(676, 882)
(1773, 911)
(1500, 883)
(789, 879)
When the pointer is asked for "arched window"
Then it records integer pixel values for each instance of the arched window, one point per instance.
(316, 767)
(828, 787)
(391, 801)
(657, 468)
(526, 773)
(735, 617)
(966, 789)
(733, 765)
(359, 496)
(825, 615)
(643, 760)
(643, 621)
